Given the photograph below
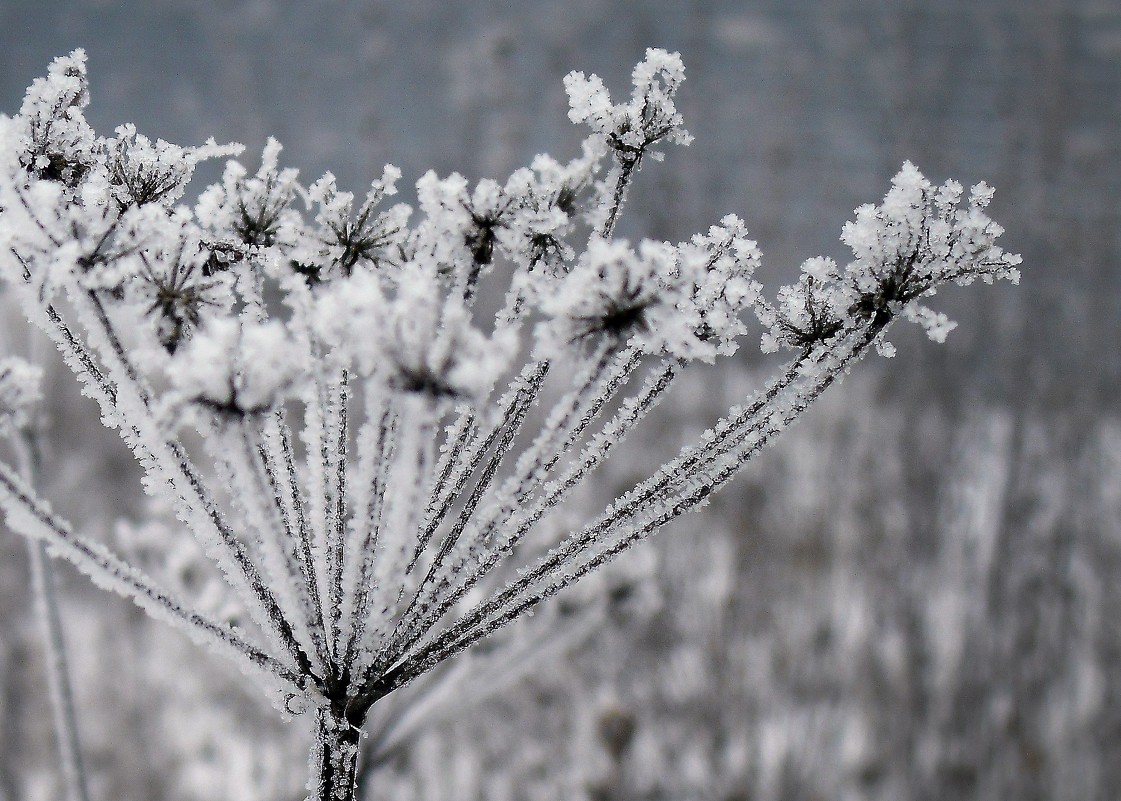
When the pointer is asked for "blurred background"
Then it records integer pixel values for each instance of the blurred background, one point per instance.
(913, 595)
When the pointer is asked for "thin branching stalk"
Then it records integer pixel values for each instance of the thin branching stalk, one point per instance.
(67, 735)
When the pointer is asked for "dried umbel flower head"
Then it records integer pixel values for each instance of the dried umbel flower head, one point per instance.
(367, 468)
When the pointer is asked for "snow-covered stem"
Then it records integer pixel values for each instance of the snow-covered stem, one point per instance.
(503, 439)
(67, 735)
(375, 447)
(58, 674)
(569, 419)
(514, 405)
(31, 517)
(637, 514)
(333, 766)
(271, 452)
(474, 565)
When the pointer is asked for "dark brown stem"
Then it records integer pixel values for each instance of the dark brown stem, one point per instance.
(625, 170)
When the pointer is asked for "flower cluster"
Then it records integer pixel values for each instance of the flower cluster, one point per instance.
(60, 145)
(682, 301)
(237, 367)
(917, 240)
(142, 171)
(649, 117)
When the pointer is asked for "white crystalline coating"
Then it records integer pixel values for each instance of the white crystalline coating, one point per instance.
(432, 346)
(807, 311)
(348, 317)
(936, 324)
(925, 232)
(443, 202)
(589, 102)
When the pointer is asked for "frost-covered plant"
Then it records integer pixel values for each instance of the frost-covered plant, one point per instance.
(311, 384)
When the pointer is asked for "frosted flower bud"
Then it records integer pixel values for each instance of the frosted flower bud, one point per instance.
(630, 129)
(350, 237)
(537, 237)
(60, 145)
(142, 171)
(917, 239)
(720, 265)
(442, 235)
(808, 312)
(589, 102)
(176, 287)
(564, 186)
(413, 335)
(616, 296)
(254, 211)
(548, 207)
(236, 367)
(348, 316)
(429, 345)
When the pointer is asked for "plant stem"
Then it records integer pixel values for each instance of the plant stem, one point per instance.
(334, 758)
(58, 671)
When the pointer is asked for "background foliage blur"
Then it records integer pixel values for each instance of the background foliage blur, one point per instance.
(912, 596)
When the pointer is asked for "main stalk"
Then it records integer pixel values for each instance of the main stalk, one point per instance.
(334, 757)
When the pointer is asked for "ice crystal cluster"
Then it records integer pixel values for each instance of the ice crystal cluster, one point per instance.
(378, 467)
(19, 390)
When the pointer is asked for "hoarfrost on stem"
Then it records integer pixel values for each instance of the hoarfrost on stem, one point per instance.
(361, 468)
